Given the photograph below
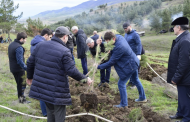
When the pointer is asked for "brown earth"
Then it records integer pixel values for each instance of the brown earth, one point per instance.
(106, 98)
(147, 74)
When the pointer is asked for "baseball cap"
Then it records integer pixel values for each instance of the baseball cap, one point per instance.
(62, 30)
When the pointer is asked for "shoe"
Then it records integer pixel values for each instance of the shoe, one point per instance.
(119, 106)
(129, 84)
(141, 101)
(99, 84)
(176, 117)
(133, 87)
(23, 100)
(45, 115)
(179, 121)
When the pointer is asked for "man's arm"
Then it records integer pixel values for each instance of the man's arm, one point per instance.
(116, 55)
(19, 57)
(184, 53)
(138, 43)
(69, 67)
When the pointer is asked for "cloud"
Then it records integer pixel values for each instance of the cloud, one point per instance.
(34, 7)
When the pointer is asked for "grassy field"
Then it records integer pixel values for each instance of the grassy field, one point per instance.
(157, 47)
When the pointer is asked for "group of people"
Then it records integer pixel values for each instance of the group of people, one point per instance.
(52, 61)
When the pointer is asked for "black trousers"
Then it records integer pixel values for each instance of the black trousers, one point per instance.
(55, 113)
(20, 84)
(184, 103)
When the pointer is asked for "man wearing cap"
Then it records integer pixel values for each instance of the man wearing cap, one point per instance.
(134, 42)
(82, 48)
(179, 68)
(48, 67)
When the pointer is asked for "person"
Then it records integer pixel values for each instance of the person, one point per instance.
(104, 73)
(134, 42)
(49, 66)
(46, 35)
(126, 65)
(179, 67)
(82, 48)
(1, 39)
(17, 64)
(71, 42)
(96, 36)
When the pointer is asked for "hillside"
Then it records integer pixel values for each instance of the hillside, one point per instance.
(56, 15)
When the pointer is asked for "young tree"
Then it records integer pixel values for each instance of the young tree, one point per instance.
(186, 8)
(7, 19)
(155, 22)
(166, 19)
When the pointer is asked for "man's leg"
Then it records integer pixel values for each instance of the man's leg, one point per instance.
(43, 108)
(72, 54)
(184, 102)
(84, 65)
(139, 86)
(102, 75)
(50, 112)
(19, 86)
(108, 72)
(60, 112)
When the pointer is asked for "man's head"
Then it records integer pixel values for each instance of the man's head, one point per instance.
(22, 37)
(127, 27)
(90, 42)
(47, 34)
(95, 32)
(74, 29)
(180, 24)
(62, 33)
(109, 36)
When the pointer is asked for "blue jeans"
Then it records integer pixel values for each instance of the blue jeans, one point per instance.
(84, 65)
(43, 108)
(123, 91)
(130, 81)
(105, 75)
(72, 54)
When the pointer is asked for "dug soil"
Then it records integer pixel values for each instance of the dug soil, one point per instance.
(147, 74)
(106, 98)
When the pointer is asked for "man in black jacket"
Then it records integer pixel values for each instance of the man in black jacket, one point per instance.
(48, 69)
(104, 73)
(17, 64)
(71, 42)
(179, 68)
(82, 48)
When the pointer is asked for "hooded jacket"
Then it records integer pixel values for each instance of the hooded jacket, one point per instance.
(37, 39)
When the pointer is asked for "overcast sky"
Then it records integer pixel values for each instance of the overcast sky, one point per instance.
(33, 7)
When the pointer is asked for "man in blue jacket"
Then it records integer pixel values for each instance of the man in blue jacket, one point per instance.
(17, 64)
(96, 36)
(126, 65)
(46, 35)
(82, 48)
(134, 42)
(49, 66)
(179, 68)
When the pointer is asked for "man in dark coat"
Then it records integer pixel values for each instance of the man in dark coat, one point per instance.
(71, 42)
(104, 73)
(134, 41)
(126, 65)
(48, 67)
(82, 48)
(17, 64)
(179, 68)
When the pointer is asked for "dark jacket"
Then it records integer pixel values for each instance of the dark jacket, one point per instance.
(95, 37)
(49, 66)
(123, 58)
(179, 60)
(82, 47)
(134, 41)
(14, 66)
(71, 41)
(37, 39)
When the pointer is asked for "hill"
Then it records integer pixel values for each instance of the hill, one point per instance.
(60, 14)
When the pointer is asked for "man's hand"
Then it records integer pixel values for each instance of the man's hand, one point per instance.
(29, 81)
(89, 81)
(139, 57)
(99, 41)
(173, 82)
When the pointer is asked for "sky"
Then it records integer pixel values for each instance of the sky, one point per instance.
(34, 7)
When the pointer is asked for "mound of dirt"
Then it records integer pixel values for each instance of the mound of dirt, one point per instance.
(147, 74)
(106, 98)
